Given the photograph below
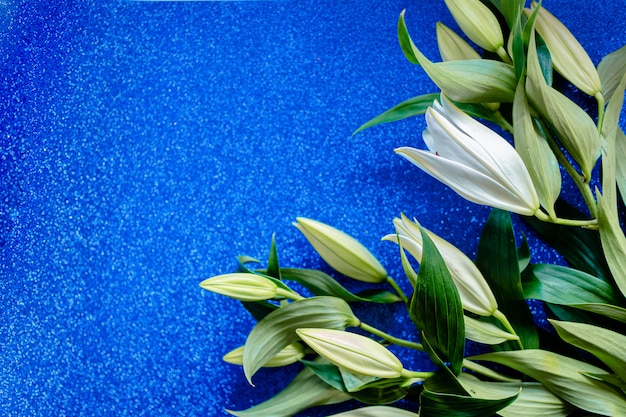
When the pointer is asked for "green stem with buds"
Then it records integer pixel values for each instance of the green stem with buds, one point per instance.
(398, 290)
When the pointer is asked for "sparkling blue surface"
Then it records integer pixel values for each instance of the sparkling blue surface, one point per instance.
(145, 145)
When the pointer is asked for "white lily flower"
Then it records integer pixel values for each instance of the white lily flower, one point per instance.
(473, 160)
(476, 296)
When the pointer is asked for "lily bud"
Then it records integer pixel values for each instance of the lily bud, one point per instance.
(341, 251)
(573, 126)
(452, 47)
(290, 354)
(569, 58)
(478, 23)
(353, 352)
(473, 160)
(476, 296)
(535, 151)
(241, 286)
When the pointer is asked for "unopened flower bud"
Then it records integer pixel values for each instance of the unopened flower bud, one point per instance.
(569, 58)
(452, 47)
(341, 251)
(241, 286)
(290, 354)
(478, 23)
(353, 352)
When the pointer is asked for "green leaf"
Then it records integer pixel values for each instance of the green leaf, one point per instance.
(620, 156)
(611, 70)
(242, 261)
(259, 309)
(486, 332)
(609, 379)
(408, 108)
(367, 390)
(511, 10)
(436, 308)
(327, 372)
(523, 254)
(477, 110)
(610, 130)
(378, 296)
(320, 283)
(436, 404)
(306, 390)
(613, 241)
(533, 400)
(580, 247)
(277, 329)
(497, 260)
(606, 310)
(273, 269)
(567, 286)
(382, 391)
(606, 345)
(376, 411)
(563, 376)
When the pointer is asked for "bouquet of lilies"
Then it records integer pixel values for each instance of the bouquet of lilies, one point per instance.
(577, 365)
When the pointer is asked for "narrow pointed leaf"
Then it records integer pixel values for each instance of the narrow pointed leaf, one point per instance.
(606, 310)
(305, 391)
(320, 283)
(620, 156)
(485, 332)
(273, 268)
(376, 411)
(562, 285)
(533, 400)
(497, 260)
(435, 404)
(611, 70)
(277, 329)
(409, 108)
(563, 376)
(606, 345)
(436, 307)
(613, 241)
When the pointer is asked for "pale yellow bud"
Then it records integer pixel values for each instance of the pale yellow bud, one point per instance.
(341, 251)
(290, 354)
(569, 58)
(452, 47)
(353, 352)
(478, 23)
(241, 286)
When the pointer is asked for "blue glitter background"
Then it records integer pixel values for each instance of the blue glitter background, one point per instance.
(146, 144)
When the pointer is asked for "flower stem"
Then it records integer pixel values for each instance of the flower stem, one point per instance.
(391, 339)
(420, 376)
(483, 370)
(600, 99)
(507, 325)
(398, 290)
(503, 55)
(590, 224)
